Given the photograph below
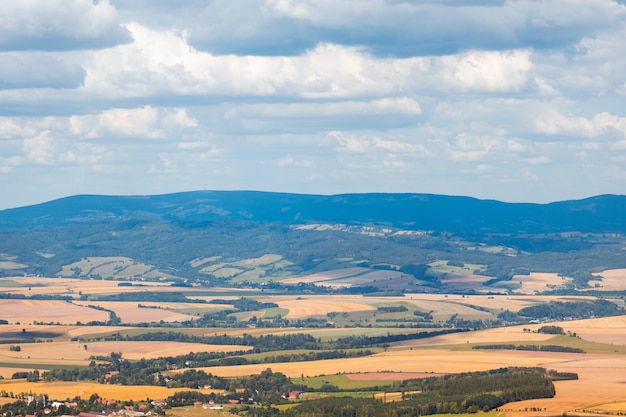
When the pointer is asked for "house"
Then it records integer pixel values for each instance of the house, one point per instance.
(294, 395)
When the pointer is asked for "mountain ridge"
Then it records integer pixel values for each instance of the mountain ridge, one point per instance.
(398, 241)
(596, 214)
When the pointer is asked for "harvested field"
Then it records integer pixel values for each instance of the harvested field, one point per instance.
(413, 361)
(73, 287)
(465, 283)
(369, 278)
(130, 312)
(442, 306)
(443, 310)
(149, 350)
(8, 371)
(303, 307)
(92, 331)
(49, 311)
(611, 280)
(600, 386)
(63, 390)
(610, 330)
(538, 282)
(498, 335)
(11, 265)
(75, 354)
(45, 354)
(322, 277)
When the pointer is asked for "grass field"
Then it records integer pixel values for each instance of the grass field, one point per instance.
(341, 380)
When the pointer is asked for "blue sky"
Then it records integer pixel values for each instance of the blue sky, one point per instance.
(520, 100)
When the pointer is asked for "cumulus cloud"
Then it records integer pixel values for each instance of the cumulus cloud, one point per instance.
(55, 25)
(145, 122)
(493, 98)
(393, 28)
(601, 125)
(164, 62)
(40, 148)
(351, 143)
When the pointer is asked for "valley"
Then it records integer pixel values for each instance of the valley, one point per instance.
(272, 304)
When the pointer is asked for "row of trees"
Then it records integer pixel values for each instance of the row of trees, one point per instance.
(534, 348)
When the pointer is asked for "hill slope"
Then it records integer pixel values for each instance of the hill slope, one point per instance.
(598, 214)
(416, 242)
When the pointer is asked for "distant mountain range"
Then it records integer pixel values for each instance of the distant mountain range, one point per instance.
(600, 214)
(393, 242)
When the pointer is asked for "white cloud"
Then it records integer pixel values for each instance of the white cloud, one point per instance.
(497, 99)
(376, 146)
(59, 25)
(291, 161)
(145, 122)
(601, 125)
(164, 62)
(488, 70)
(39, 149)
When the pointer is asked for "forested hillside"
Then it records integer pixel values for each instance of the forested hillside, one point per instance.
(390, 242)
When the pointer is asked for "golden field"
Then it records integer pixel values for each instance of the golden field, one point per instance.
(29, 311)
(71, 389)
(66, 353)
(600, 388)
(610, 280)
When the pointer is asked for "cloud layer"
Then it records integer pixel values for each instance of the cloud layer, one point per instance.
(514, 100)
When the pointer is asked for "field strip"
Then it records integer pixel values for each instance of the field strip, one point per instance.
(601, 384)
(389, 376)
(304, 307)
(413, 361)
(63, 390)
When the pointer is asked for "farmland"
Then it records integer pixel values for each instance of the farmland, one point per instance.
(54, 336)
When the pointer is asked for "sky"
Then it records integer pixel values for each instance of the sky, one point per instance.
(513, 100)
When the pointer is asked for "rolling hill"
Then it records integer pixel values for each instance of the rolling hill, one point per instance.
(249, 237)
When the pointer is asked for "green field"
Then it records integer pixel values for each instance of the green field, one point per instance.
(341, 381)
(275, 312)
